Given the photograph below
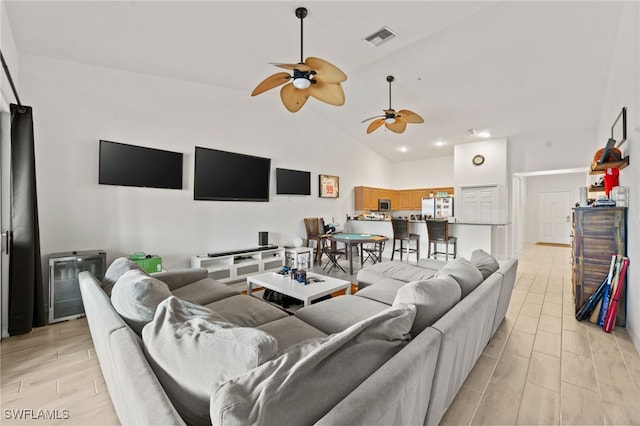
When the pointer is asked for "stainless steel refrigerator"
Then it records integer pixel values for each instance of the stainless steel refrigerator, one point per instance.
(437, 208)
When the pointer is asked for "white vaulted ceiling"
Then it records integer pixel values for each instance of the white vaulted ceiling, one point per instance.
(523, 70)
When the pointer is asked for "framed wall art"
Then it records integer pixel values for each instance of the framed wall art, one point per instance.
(619, 127)
(329, 186)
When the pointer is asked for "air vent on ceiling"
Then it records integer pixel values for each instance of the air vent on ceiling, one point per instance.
(383, 35)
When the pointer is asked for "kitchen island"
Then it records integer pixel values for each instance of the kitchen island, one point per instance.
(490, 237)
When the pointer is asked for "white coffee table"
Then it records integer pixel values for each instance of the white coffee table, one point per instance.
(304, 292)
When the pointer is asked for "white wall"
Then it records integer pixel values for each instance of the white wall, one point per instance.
(428, 173)
(624, 90)
(492, 172)
(75, 105)
(568, 182)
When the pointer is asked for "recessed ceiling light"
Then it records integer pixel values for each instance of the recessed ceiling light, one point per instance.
(403, 149)
(440, 142)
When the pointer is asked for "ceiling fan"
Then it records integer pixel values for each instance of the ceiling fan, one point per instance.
(394, 121)
(313, 77)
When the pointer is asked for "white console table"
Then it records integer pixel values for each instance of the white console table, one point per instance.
(237, 265)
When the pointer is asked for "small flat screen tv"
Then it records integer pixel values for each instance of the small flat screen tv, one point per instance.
(131, 165)
(229, 176)
(293, 182)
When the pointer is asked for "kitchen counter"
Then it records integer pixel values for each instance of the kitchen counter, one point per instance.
(491, 237)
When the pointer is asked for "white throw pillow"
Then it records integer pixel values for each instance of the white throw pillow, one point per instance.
(465, 274)
(193, 349)
(432, 298)
(136, 296)
(308, 379)
(115, 271)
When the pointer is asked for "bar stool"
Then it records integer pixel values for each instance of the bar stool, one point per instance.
(401, 232)
(438, 231)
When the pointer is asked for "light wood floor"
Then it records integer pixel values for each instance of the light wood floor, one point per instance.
(541, 367)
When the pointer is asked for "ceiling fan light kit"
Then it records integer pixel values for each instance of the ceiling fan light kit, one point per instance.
(392, 120)
(313, 77)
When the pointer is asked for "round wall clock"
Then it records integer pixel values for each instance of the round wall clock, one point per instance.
(478, 160)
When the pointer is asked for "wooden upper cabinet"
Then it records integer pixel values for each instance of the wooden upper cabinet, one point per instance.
(366, 197)
(418, 195)
(405, 199)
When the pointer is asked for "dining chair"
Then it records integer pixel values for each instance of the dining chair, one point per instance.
(438, 233)
(371, 251)
(401, 233)
(315, 232)
(334, 254)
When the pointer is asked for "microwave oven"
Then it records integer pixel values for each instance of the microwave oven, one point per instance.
(384, 205)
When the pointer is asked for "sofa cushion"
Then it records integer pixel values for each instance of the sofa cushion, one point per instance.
(115, 271)
(339, 313)
(192, 350)
(136, 295)
(485, 263)
(432, 298)
(290, 331)
(464, 272)
(204, 291)
(246, 311)
(394, 269)
(300, 386)
(384, 291)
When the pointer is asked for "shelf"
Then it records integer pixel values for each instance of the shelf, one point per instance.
(236, 265)
(596, 188)
(598, 168)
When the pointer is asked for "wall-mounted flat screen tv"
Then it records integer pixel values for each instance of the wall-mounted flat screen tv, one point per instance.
(293, 182)
(131, 165)
(229, 176)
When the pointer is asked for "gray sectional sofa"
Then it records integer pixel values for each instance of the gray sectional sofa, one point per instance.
(181, 348)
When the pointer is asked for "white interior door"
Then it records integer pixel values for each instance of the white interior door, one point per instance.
(554, 217)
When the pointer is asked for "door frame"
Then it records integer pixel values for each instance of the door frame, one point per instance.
(519, 196)
(5, 212)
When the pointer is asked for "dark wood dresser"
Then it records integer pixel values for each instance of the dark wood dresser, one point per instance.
(598, 232)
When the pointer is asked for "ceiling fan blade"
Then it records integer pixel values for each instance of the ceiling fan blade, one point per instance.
(371, 118)
(292, 98)
(375, 124)
(299, 67)
(397, 126)
(330, 93)
(328, 72)
(410, 116)
(270, 82)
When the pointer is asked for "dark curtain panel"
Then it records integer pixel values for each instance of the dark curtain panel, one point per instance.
(26, 294)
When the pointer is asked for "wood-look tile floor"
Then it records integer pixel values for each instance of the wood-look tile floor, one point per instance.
(541, 367)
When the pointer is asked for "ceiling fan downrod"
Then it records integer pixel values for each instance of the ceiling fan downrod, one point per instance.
(390, 79)
(301, 13)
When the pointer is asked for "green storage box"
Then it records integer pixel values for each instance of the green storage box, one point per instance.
(149, 264)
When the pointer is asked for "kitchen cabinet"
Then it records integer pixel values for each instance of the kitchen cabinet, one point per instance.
(598, 232)
(405, 199)
(366, 197)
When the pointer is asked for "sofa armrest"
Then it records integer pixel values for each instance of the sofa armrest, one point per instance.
(181, 277)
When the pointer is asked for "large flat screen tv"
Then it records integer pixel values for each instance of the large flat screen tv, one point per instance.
(131, 165)
(293, 182)
(229, 176)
